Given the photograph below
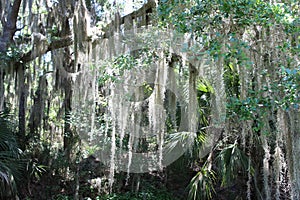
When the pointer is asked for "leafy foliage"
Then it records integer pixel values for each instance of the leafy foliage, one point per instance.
(11, 165)
(202, 184)
(232, 162)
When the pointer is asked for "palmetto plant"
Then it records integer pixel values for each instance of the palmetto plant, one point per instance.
(202, 184)
(232, 161)
(11, 165)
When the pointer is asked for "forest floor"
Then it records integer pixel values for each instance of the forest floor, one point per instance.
(172, 184)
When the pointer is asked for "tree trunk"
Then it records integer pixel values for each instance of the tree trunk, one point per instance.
(22, 106)
(38, 107)
(9, 26)
(1, 90)
(68, 134)
(8, 30)
(294, 166)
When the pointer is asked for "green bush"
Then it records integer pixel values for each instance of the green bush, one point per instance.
(11, 164)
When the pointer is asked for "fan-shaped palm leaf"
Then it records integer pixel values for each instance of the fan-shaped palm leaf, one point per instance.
(10, 162)
(202, 184)
(232, 160)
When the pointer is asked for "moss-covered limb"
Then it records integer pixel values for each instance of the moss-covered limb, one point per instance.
(55, 44)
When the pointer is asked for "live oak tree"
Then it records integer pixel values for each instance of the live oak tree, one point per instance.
(257, 43)
(254, 48)
(31, 32)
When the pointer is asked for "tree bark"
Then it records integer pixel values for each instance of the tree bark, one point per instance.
(294, 164)
(38, 107)
(69, 67)
(22, 106)
(1, 90)
(9, 26)
(55, 44)
(68, 134)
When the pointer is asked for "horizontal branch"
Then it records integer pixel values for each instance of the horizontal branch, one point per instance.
(67, 41)
(55, 44)
(127, 20)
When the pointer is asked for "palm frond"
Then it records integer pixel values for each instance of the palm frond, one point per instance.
(232, 161)
(202, 184)
(184, 140)
(11, 164)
